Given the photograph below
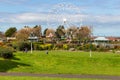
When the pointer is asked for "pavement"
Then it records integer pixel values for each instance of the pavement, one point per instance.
(108, 77)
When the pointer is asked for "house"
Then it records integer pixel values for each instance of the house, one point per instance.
(11, 38)
(33, 39)
(1, 40)
(101, 41)
(113, 38)
(50, 35)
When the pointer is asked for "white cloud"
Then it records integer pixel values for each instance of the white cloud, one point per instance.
(108, 19)
(13, 1)
(104, 18)
(56, 18)
(56, 14)
(40, 17)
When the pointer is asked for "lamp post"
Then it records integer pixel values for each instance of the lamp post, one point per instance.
(90, 48)
(91, 42)
(31, 47)
(32, 38)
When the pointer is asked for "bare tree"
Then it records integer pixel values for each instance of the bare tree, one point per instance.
(83, 33)
(71, 32)
(23, 34)
(37, 31)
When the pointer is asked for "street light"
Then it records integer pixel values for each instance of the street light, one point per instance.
(31, 47)
(91, 37)
(32, 38)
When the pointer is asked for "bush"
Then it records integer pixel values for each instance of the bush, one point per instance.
(58, 46)
(80, 48)
(1, 44)
(43, 46)
(6, 52)
(22, 45)
(117, 47)
(87, 47)
(36, 47)
(103, 49)
(49, 46)
(65, 47)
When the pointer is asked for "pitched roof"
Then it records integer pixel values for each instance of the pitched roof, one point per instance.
(101, 39)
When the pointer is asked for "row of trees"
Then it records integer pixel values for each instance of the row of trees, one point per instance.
(73, 32)
(58, 40)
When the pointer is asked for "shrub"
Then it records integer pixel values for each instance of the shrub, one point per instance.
(72, 45)
(43, 46)
(22, 45)
(80, 48)
(36, 46)
(93, 47)
(49, 46)
(103, 48)
(14, 45)
(113, 51)
(6, 52)
(1, 44)
(58, 46)
(65, 47)
(117, 47)
(87, 47)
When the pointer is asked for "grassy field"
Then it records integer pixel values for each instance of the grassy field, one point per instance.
(39, 78)
(63, 62)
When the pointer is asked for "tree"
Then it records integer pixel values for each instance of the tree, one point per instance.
(83, 33)
(71, 32)
(23, 34)
(45, 31)
(2, 34)
(49, 33)
(10, 32)
(60, 31)
(37, 31)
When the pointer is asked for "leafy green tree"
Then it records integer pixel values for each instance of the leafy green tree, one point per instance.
(10, 32)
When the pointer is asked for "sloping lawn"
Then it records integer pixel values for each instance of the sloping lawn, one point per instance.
(63, 62)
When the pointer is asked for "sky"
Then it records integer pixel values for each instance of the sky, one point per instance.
(102, 15)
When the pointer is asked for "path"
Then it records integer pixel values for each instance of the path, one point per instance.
(62, 75)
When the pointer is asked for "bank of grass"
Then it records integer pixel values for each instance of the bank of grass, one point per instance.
(39, 78)
(63, 62)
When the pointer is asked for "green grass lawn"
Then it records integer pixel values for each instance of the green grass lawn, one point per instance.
(39, 78)
(63, 62)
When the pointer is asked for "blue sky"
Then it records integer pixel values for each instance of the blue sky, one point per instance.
(102, 15)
